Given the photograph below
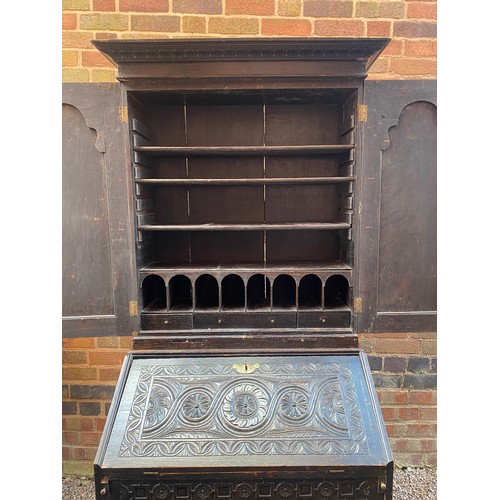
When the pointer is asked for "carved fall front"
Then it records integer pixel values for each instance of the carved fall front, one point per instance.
(282, 409)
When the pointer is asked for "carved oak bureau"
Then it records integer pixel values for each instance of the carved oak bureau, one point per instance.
(246, 380)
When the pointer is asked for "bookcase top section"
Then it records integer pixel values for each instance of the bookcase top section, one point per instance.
(124, 52)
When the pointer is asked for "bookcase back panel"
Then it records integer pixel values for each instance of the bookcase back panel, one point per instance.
(172, 205)
(309, 203)
(167, 124)
(226, 204)
(302, 246)
(169, 168)
(225, 125)
(227, 247)
(301, 124)
(171, 248)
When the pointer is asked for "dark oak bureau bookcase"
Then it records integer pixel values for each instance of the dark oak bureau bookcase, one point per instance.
(246, 380)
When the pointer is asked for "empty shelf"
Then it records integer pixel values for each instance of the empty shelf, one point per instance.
(292, 266)
(244, 150)
(245, 181)
(321, 226)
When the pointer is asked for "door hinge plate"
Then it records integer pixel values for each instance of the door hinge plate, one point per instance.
(133, 308)
(358, 305)
(362, 112)
(123, 112)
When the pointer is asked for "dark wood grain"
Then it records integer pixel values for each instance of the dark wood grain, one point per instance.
(98, 249)
(309, 149)
(318, 226)
(245, 157)
(86, 268)
(374, 480)
(397, 225)
(245, 181)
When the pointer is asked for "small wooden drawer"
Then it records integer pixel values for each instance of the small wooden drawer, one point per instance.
(226, 319)
(324, 319)
(166, 321)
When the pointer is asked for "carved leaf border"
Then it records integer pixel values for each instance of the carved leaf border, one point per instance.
(134, 446)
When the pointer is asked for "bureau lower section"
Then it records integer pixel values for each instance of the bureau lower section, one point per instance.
(239, 427)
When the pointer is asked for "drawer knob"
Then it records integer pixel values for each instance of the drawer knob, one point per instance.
(383, 486)
(323, 320)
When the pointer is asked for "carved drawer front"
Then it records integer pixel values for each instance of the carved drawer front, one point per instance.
(248, 489)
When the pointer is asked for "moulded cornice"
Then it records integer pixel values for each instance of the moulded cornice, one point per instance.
(235, 49)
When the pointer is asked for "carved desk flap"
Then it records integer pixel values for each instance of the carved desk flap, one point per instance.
(229, 412)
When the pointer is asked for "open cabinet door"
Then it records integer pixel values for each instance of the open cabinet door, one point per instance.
(97, 251)
(396, 203)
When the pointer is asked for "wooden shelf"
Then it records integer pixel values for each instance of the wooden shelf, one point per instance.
(285, 267)
(244, 150)
(244, 181)
(154, 309)
(304, 226)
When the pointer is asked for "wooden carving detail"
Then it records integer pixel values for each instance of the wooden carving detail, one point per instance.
(94, 122)
(285, 489)
(407, 276)
(239, 50)
(87, 260)
(280, 409)
(391, 122)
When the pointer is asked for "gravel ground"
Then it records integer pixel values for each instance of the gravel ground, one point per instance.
(409, 484)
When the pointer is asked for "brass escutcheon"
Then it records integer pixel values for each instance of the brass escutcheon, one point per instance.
(245, 367)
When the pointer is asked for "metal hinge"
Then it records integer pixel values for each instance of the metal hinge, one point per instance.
(358, 305)
(104, 491)
(362, 112)
(133, 308)
(123, 112)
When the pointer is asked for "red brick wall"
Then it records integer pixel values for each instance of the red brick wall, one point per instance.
(403, 365)
(411, 25)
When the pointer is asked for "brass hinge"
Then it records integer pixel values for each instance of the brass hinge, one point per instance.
(358, 305)
(123, 112)
(362, 112)
(133, 308)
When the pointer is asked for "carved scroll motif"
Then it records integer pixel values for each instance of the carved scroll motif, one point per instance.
(280, 409)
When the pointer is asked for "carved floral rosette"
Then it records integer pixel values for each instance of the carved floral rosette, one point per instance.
(282, 409)
(320, 489)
